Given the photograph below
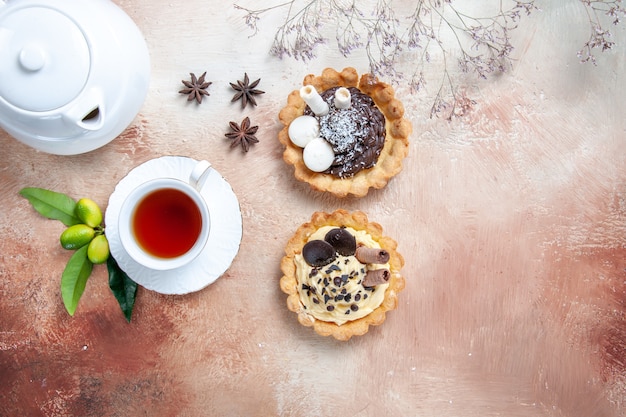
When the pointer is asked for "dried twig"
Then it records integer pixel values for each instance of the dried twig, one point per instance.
(599, 13)
(432, 30)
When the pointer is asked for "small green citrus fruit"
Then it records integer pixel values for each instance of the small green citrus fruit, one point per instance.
(77, 236)
(88, 212)
(98, 250)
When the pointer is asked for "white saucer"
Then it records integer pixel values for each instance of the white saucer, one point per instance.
(221, 247)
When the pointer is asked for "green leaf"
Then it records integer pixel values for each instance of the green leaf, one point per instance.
(124, 288)
(53, 205)
(74, 279)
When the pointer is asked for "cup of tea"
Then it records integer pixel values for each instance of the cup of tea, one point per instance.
(164, 223)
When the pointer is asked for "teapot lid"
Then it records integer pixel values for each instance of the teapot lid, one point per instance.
(44, 58)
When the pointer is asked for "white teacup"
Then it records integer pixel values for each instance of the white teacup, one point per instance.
(165, 223)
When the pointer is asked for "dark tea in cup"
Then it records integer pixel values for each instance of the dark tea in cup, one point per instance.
(164, 223)
(167, 223)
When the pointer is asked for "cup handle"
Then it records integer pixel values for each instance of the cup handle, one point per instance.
(199, 174)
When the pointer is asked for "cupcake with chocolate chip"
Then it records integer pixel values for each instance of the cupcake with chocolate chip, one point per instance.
(344, 134)
(341, 274)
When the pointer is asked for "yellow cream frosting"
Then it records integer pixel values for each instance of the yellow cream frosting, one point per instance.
(335, 292)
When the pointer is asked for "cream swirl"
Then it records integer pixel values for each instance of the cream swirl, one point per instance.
(356, 134)
(335, 292)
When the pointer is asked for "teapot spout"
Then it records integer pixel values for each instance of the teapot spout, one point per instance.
(87, 112)
(92, 120)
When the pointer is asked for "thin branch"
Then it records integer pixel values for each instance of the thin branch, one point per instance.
(483, 43)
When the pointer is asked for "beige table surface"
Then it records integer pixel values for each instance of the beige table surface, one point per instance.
(511, 219)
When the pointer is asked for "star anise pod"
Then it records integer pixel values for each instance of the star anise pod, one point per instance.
(242, 134)
(246, 91)
(196, 88)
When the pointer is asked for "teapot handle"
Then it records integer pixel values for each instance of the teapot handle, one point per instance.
(87, 112)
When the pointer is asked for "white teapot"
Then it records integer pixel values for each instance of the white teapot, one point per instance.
(73, 73)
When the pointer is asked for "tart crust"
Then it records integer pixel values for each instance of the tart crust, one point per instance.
(288, 283)
(396, 146)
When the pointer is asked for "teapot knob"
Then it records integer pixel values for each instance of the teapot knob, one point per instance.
(32, 57)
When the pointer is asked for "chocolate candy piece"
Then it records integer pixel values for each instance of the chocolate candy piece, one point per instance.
(303, 130)
(367, 255)
(318, 155)
(318, 253)
(376, 277)
(342, 240)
